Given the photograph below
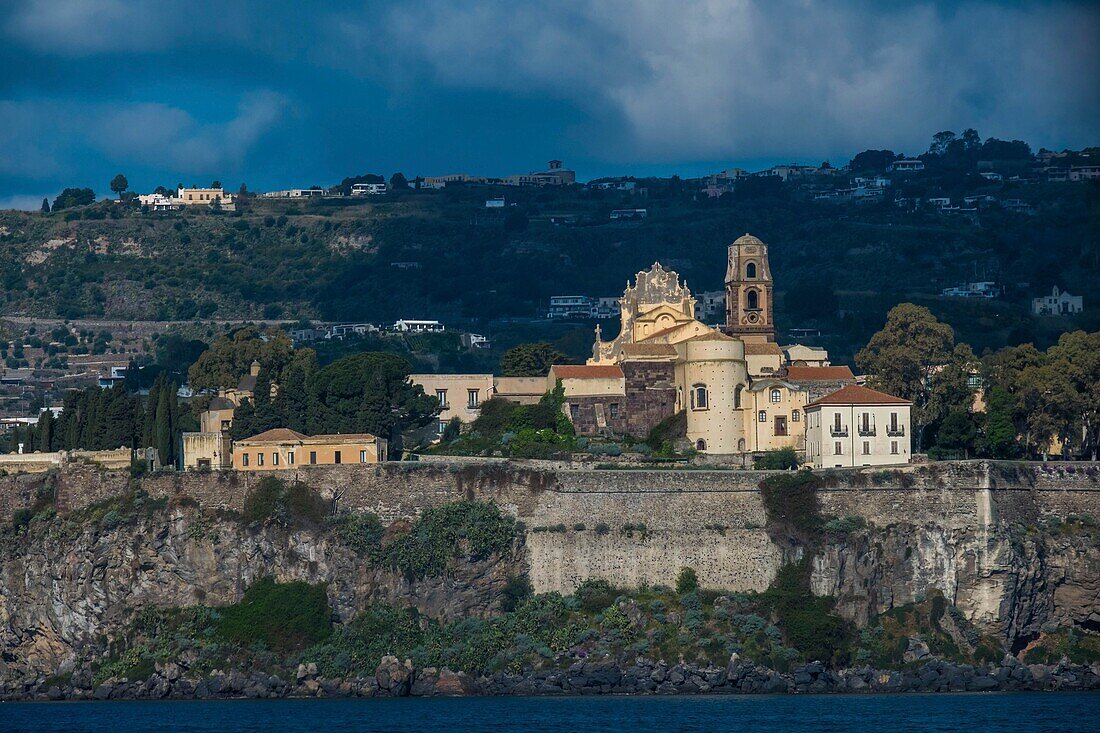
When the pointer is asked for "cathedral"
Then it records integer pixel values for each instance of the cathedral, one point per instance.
(731, 381)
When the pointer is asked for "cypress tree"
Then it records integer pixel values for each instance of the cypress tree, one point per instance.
(163, 428)
(149, 426)
(45, 432)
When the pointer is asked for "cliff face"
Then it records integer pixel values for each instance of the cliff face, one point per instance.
(65, 590)
(1011, 586)
(1004, 549)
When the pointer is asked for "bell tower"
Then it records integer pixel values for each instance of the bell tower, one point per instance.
(749, 311)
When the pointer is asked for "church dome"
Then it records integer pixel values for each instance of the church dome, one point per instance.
(747, 239)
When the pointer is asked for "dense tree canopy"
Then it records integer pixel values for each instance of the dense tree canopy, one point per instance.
(904, 356)
(530, 360)
(230, 357)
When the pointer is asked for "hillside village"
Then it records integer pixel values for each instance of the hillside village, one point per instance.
(787, 342)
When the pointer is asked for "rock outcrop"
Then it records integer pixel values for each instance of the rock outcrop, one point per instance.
(65, 588)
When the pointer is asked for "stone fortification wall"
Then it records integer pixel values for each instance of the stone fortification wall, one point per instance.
(628, 526)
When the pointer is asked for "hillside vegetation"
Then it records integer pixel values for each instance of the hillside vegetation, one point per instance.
(442, 254)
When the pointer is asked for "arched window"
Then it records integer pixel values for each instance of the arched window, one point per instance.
(699, 399)
(750, 270)
(753, 300)
(737, 398)
(776, 395)
(700, 444)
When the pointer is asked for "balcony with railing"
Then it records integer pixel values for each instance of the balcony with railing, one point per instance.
(867, 430)
(838, 431)
(896, 431)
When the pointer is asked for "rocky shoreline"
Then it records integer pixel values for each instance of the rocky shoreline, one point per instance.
(394, 678)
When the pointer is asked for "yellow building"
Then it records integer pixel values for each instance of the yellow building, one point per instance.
(459, 395)
(728, 381)
(282, 449)
(205, 197)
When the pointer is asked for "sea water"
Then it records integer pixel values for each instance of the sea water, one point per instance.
(931, 713)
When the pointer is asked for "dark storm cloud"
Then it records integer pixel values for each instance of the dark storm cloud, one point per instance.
(297, 94)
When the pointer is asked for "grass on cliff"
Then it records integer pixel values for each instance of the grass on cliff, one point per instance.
(933, 621)
(471, 529)
(282, 616)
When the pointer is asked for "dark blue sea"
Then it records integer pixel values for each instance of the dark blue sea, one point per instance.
(969, 713)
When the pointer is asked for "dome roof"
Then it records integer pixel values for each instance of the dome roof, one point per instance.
(747, 239)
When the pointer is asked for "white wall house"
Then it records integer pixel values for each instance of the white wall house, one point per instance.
(1058, 303)
(857, 426)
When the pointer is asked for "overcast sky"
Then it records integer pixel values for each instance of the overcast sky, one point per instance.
(292, 94)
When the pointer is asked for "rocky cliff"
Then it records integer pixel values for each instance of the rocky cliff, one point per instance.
(69, 586)
(1017, 561)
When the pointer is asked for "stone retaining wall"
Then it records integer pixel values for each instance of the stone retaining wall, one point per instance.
(710, 520)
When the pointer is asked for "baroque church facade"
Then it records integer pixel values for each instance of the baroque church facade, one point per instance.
(729, 381)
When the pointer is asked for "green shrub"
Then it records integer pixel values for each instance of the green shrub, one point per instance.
(781, 459)
(790, 500)
(687, 581)
(595, 595)
(476, 528)
(283, 616)
(360, 531)
(809, 623)
(843, 526)
(289, 505)
(603, 528)
(516, 590)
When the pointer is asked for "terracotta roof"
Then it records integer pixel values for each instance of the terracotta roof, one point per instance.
(769, 348)
(276, 435)
(286, 435)
(339, 438)
(854, 394)
(587, 371)
(648, 350)
(818, 373)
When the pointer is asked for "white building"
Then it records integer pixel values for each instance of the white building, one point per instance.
(1058, 303)
(368, 189)
(906, 165)
(973, 290)
(408, 325)
(1084, 172)
(857, 426)
(629, 214)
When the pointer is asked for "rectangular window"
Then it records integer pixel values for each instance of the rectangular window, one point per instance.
(441, 395)
(795, 416)
(836, 421)
(893, 421)
(259, 459)
(866, 447)
(614, 410)
(442, 426)
(762, 416)
(837, 448)
(336, 457)
(780, 424)
(574, 411)
(894, 447)
(362, 456)
(275, 458)
(313, 456)
(471, 398)
(244, 459)
(290, 458)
